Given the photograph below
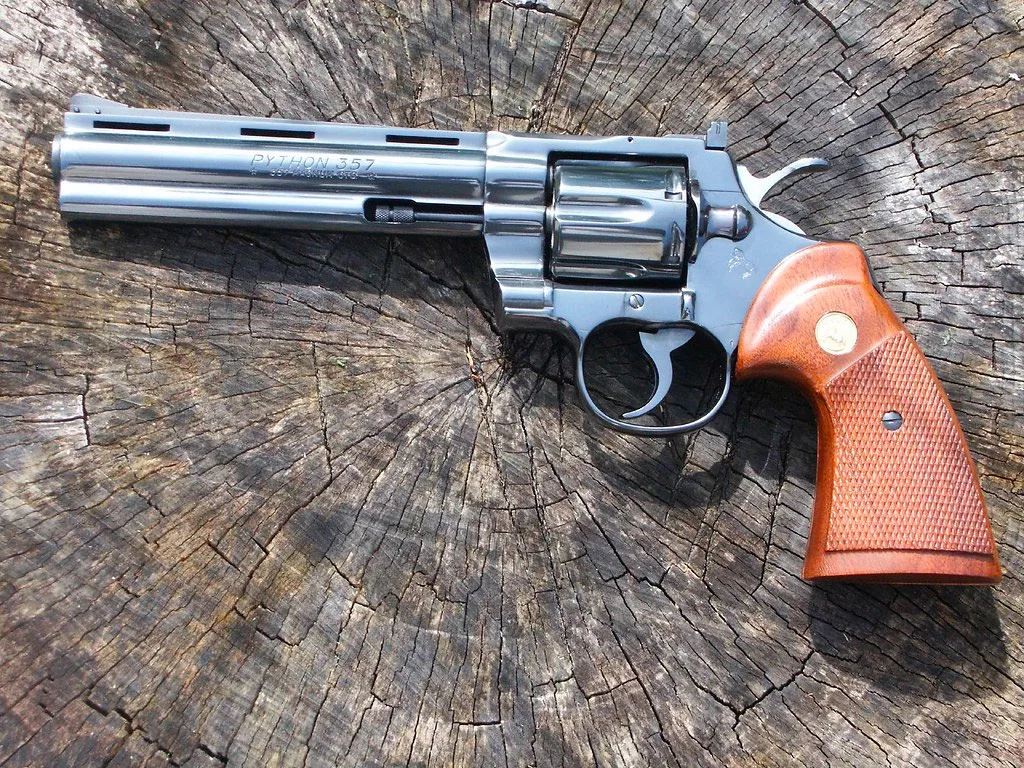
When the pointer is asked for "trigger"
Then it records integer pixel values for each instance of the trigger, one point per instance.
(659, 346)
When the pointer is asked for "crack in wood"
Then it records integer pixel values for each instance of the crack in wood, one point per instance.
(211, 552)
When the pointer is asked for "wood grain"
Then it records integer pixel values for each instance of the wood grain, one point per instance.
(288, 498)
(900, 504)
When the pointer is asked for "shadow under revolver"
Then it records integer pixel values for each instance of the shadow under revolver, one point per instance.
(936, 643)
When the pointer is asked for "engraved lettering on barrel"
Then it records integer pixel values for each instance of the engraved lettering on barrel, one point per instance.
(311, 166)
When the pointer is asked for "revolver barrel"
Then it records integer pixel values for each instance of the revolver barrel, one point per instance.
(117, 162)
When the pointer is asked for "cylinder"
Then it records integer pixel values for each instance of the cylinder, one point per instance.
(618, 221)
(251, 172)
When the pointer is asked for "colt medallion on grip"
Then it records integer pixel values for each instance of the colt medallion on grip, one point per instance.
(897, 496)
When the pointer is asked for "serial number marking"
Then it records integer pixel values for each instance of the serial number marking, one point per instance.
(311, 166)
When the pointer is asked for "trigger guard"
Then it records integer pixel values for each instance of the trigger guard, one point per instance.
(645, 430)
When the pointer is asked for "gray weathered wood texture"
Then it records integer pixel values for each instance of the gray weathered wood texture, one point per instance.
(276, 498)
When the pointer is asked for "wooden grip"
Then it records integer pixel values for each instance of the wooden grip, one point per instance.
(897, 496)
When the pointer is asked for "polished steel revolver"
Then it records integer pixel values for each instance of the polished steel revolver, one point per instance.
(665, 235)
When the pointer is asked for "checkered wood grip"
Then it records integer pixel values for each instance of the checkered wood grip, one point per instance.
(926, 498)
(897, 497)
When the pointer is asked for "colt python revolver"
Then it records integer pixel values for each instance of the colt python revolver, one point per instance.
(664, 235)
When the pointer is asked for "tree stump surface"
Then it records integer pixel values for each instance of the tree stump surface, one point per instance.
(287, 498)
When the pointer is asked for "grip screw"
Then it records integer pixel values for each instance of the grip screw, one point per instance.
(636, 301)
(892, 420)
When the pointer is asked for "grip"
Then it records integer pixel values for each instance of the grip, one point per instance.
(897, 497)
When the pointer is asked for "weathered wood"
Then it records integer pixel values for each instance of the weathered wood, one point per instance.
(286, 498)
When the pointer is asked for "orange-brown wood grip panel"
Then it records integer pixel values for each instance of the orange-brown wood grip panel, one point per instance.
(899, 505)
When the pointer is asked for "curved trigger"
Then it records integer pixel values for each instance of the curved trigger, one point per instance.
(659, 346)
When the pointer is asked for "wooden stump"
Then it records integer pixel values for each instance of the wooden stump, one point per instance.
(275, 498)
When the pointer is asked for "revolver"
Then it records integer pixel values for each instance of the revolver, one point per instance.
(663, 235)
